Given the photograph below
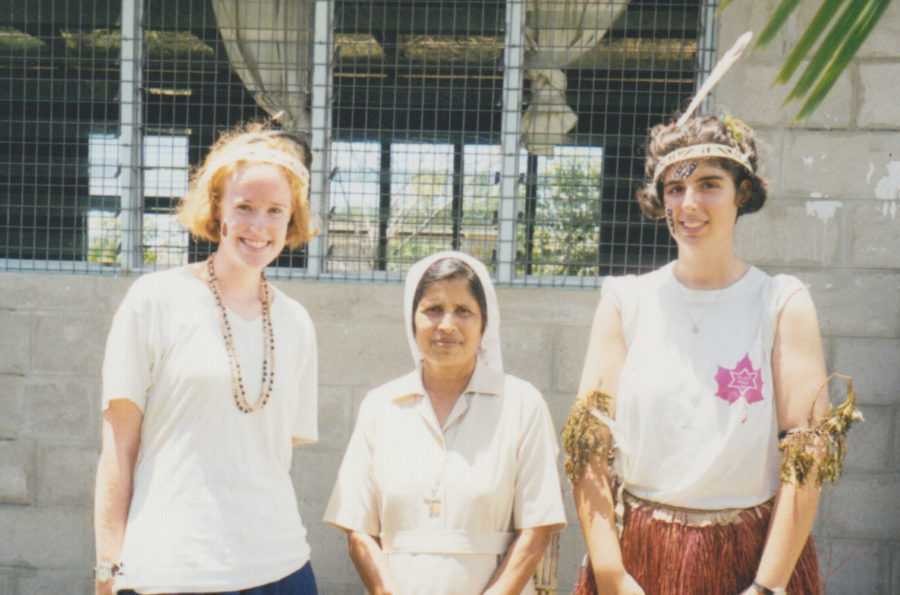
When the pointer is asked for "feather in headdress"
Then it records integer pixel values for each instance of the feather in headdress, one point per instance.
(727, 61)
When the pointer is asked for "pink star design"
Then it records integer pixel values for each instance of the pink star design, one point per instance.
(741, 381)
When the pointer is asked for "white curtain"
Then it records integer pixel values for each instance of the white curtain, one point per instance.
(269, 46)
(558, 33)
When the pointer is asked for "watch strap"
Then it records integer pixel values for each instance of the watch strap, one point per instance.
(105, 571)
(766, 590)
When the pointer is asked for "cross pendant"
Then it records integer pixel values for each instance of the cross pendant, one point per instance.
(434, 506)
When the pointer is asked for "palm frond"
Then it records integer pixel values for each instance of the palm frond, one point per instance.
(722, 6)
(776, 21)
(855, 39)
(826, 51)
(835, 52)
(815, 29)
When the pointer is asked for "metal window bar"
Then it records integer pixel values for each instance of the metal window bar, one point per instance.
(509, 138)
(412, 77)
(131, 185)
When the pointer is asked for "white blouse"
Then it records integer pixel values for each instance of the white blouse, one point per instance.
(446, 501)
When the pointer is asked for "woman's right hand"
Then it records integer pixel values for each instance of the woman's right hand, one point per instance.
(103, 588)
(620, 583)
(371, 563)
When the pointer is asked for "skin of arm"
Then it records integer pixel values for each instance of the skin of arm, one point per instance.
(371, 563)
(798, 370)
(593, 493)
(520, 561)
(121, 437)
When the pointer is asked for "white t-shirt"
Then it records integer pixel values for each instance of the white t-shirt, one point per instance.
(696, 420)
(446, 501)
(213, 505)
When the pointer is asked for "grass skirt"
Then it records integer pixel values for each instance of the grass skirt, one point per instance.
(673, 551)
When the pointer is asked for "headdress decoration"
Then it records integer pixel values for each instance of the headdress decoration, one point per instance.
(489, 351)
(817, 453)
(707, 150)
(702, 151)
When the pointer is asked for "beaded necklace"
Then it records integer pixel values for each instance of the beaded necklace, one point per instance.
(268, 364)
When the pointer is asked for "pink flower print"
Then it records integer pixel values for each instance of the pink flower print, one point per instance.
(742, 381)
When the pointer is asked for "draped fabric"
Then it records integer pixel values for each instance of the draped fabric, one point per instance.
(269, 45)
(558, 33)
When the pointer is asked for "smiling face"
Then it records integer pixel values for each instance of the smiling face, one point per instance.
(448, 325)
(254, 213)
(701, 204)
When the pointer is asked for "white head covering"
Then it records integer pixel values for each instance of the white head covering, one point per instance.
(489, 351)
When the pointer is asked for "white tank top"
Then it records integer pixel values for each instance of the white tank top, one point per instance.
(695, 415)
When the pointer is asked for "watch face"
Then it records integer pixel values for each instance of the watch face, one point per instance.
(103, 573)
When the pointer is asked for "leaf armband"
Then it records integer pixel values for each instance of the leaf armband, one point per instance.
(822, 447)
(585, 435)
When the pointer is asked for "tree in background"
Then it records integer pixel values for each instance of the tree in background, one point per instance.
(566, 223)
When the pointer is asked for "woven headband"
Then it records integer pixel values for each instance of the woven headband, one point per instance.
(704, 151)
(256, 154)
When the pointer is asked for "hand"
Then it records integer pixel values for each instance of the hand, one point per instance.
(103, 588)
(629, 586)
(621, 583)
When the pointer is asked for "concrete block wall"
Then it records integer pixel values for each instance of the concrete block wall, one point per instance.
(831, 220)
(56, 326)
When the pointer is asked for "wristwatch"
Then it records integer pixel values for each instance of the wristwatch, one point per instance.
(105, 571)
(767, 590)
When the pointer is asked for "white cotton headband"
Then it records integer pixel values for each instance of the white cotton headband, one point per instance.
(259, 153)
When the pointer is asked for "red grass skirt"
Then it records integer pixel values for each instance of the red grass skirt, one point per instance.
(671, 551)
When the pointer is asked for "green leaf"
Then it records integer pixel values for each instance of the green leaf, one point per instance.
(820, 21)
(829, 47)
(776, 21)
(864, 25)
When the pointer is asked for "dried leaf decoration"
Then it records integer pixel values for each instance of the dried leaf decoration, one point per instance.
(584, 435)
(823, 447)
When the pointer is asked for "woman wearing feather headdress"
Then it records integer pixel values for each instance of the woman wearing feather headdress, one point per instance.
(696, 375)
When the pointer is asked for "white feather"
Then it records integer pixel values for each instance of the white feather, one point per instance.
(727, 61)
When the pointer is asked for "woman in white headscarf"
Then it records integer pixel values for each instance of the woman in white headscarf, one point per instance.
(449, 483)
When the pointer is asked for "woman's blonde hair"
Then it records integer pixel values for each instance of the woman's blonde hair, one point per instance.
(254, 143)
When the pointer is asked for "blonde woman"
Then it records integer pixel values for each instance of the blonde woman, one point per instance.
(209, 380)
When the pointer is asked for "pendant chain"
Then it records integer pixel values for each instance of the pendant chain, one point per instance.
(709, 307)
(434, 502)
(268, 363)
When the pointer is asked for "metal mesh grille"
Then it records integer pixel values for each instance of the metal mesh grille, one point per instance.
(416, 105)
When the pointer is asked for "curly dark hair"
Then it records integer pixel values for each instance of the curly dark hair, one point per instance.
(665, 138)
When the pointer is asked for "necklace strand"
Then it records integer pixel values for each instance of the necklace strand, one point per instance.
(708, 306)
(268, 363)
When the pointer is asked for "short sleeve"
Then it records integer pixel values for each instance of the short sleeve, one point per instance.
(538, 493)
(306, 426)
(782, 287)
(623, 292)
(353, 503)
(127, 362)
